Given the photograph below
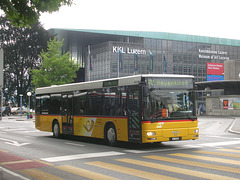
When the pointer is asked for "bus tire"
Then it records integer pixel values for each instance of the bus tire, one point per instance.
(56, 130)
(111, 135)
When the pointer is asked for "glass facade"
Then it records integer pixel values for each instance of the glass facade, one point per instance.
(168, 53)
(171, 57)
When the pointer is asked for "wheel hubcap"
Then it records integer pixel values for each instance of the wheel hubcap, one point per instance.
(111, 135)
(56, 130)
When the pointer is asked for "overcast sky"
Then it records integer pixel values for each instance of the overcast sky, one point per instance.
(214, 18)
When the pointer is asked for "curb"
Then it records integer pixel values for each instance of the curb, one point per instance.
(19, 118)
(231, 127)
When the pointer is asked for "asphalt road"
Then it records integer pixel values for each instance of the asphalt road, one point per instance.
(26, 153)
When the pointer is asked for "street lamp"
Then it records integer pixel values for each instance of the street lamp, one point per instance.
(29, 95)
(21, 104)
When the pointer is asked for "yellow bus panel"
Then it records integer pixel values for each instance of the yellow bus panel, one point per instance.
(85, 126)
(169, 131)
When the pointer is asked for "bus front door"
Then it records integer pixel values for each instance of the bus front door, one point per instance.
(134, 123)
(67, 114)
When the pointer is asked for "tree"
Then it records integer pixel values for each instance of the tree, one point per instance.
(21, 47)
(27, 12)
(56, 69)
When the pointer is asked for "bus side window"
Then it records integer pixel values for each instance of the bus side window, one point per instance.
(123, 103)
(112, 101)
(106, 101)
(79, 102)
(96, 102)
(38, 104)
(45, 102)
(55, 104)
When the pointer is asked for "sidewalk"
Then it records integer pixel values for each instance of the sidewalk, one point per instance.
(233, 128)
(18, 118)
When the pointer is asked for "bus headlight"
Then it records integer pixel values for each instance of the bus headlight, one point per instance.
(151, 133)
(196, 131)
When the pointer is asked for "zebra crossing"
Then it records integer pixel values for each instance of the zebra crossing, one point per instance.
(219, 163)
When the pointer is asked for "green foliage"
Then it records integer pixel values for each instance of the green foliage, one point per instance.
(56, 68)
(21, 47)
(27, 12)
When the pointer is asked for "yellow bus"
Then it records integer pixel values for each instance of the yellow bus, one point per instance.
(141, 108)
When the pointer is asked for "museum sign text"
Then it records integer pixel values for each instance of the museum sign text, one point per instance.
(212, 54)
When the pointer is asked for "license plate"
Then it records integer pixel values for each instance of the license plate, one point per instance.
(175, 138)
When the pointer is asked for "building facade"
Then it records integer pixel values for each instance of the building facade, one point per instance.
(222, 97)
(232, 70)
(109, 54)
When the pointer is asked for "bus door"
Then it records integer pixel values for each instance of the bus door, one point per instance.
(67, 113)
(133, 109)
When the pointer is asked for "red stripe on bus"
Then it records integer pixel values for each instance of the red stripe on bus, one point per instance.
(102, 117)
(121, 118)
(169, 121)
(85, 116)
(46, 115)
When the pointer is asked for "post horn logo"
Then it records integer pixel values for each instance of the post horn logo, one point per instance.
(89, 125)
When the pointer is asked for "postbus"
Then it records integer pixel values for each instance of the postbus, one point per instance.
(141, 108)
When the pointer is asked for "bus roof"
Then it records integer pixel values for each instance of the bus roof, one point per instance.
(121, 81)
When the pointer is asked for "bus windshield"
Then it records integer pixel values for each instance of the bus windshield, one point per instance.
(164, 104)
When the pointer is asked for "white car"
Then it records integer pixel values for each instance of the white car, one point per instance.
(17, 110)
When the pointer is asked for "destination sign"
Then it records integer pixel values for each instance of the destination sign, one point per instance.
(110, 83)
(169, 83)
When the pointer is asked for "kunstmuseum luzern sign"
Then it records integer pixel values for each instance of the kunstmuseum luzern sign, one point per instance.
(212, 54)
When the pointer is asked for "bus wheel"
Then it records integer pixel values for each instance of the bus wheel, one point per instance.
(56, 130)
(111, 135)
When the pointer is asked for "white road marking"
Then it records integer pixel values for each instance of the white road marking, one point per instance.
(14, 174)
(81, 156)
(222, 137)
(192, 146)
(150, 151)
(30, 137)
(215, 144)
(14, 143)
(220, 143)
(74, 144)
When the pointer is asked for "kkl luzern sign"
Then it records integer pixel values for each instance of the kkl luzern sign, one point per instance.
(128, 50)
